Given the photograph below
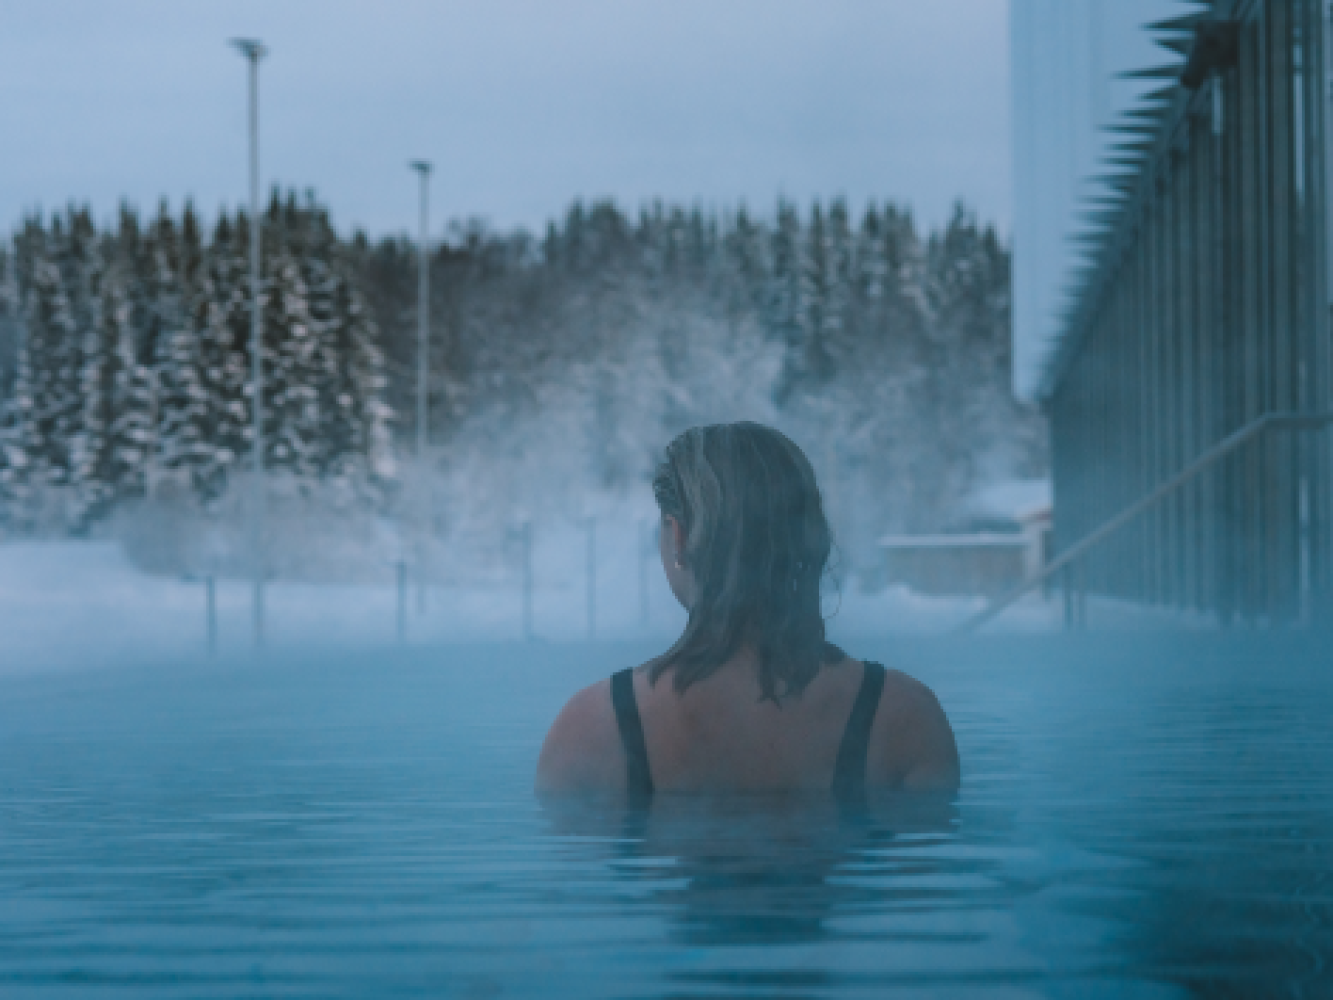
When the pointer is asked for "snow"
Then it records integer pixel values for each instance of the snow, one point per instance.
(1011, 499)
(975, 540)
(81, 605)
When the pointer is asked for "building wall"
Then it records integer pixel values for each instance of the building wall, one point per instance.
(1203, 332)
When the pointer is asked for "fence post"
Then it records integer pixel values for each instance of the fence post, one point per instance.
(211, 611)
(401, 567)
(592, 578)
(421, 580)
(527, 581)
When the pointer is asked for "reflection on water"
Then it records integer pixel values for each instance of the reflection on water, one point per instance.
(756, 869)
(1148, 818)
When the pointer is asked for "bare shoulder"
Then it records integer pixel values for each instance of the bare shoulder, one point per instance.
(914, 743)
(582, 752)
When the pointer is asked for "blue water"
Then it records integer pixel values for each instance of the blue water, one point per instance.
(1141, 816)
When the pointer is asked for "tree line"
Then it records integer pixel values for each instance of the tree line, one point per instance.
(128, 358)
(559, 364)
(565, 361)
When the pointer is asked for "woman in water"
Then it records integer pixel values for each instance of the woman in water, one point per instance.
(751, 698)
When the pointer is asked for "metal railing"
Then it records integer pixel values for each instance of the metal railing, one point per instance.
(1067, 559)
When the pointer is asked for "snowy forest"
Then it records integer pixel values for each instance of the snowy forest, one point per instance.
(560, 366)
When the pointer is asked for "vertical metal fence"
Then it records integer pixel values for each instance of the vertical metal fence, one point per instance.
(1205, 306)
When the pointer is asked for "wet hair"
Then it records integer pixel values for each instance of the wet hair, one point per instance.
(757, 541)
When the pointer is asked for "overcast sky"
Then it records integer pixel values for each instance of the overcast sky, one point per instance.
(522, 104)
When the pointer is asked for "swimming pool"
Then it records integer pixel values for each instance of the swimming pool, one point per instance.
(1141, 816)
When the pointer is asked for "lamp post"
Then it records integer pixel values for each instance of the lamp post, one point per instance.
(254, 50)
(423, 169)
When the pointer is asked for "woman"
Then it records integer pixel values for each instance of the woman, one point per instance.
(751, 697)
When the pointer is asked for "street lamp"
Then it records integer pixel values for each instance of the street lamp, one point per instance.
(423, 168)
(254, 50)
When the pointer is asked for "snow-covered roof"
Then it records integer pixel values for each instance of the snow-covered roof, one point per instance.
(1013, 499)
(974, 540)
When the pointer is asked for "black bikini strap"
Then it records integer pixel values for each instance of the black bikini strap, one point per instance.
(849, 774)
(639, 780)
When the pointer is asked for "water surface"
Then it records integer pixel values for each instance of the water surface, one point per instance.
(1141, 816)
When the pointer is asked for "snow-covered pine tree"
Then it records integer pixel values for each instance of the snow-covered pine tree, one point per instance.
(9, 323)
(89, 446)
(872, 267)
(312, 241)
(77, 253)
(970, 286)
(183, 409)
(788, 293)
(700, 243)
(130, 431)
(50, 369)
(115, 433)
(841, 336)
(811, 362)
(291, 355)
(355, 439)
(79, 260)
(747, 255)
(157, 312)
(220, 319)
(891, 309)
(13, 460)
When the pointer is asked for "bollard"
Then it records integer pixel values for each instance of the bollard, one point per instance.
(401, 566)
(421, 581)
(211, 610)
(257, 611)
(1082, 605)
(592, 578)
(527, 581)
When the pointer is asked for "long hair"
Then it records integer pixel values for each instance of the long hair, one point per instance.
(756, 541)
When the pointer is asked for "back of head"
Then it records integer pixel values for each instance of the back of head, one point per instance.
(756, 542)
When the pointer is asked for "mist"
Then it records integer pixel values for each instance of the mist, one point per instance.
(346, 651)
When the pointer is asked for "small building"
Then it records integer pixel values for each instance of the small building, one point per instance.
(980, 563)
(986, 563)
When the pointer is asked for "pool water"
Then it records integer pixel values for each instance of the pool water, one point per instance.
(1142, 815)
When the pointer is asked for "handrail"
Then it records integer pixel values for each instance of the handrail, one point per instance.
(1273, 421)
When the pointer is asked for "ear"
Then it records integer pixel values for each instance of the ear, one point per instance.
(677, 536)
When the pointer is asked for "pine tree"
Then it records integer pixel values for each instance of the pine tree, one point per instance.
(291, 350)
(80, 260)
(13, 458)
(747, 255)
(221, 323)
(9, 322)
(183, 410)
(115, 432)
(788, 295)
(840, 336)
(355, 439)
(50, 369)
(130, 433)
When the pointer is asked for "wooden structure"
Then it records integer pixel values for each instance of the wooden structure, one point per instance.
(981, 563)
